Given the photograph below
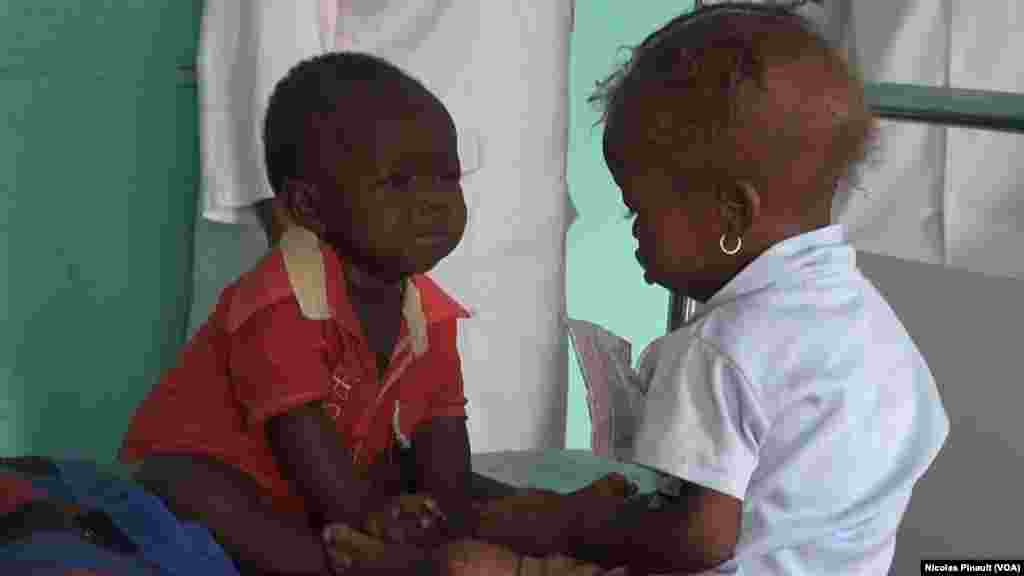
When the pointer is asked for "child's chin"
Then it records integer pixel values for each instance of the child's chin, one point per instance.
(422, 267)
(650, 278)
(427, 262)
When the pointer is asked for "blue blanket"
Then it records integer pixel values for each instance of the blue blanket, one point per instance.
(166, 546)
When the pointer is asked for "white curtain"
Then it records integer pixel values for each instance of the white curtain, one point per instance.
(949, 196)
(942, 195)
(503, 73)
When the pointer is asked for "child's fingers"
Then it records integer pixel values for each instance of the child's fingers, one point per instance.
(332, 533)
(409, 518)
(613, 484)
(434, 508)
(347, 546)
(421, 511)
(631, 488)
(341, 561)
(420, 505)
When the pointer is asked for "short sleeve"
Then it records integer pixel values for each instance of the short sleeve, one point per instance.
(446, 370)
(702, 421)
(277, 362)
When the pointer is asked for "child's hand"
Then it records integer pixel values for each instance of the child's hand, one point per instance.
(408, 519)
(536, 523)
(350, 549)
(614, 485)
(473, 557)
(347, 547)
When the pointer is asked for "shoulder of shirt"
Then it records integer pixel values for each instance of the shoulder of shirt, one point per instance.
(256, 290)
(293, 269)
(696, 338)
(737, 334)
(435, 303)
(768, 320)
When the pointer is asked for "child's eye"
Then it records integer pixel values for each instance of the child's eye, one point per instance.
(403, 181)
(397, 181)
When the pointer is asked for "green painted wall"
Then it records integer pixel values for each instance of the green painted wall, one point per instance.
(604, 282)
(98, 174)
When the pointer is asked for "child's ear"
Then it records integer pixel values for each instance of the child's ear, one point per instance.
(752, 202)
(740, 206)
(303, 201)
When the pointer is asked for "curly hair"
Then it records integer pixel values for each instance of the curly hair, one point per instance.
(316, 87)
(701, 78)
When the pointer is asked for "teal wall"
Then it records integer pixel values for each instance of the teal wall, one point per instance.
(98, 168)
(604, 282)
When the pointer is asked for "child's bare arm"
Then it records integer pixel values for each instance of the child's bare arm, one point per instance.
(354, 553)
(360, 554)
(311, 455)
(227, 502)
(540, 522)
(691, 533)
(444, 471)
(307, 446)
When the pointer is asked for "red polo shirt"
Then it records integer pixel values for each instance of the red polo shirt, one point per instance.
(258, 356)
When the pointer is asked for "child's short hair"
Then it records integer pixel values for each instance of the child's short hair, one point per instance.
(315, 86)
(670, 61)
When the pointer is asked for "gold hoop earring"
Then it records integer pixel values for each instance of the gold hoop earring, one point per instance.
(734, 251)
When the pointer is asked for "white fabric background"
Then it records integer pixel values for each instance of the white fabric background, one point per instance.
(939, 195)
(503, 73)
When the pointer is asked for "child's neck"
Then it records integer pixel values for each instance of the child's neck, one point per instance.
(367, 288)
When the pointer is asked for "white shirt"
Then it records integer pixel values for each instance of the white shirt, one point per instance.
(799, 392)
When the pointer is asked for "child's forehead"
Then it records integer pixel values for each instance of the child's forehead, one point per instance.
(375, 132)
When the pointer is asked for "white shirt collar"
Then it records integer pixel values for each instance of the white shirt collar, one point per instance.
(794, 259)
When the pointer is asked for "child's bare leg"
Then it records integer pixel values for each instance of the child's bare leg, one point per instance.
(420, 510)
(228, 503)
(461, 558)
(535, 522)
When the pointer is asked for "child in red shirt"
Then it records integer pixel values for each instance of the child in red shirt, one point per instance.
(335, 334)
(327, 380)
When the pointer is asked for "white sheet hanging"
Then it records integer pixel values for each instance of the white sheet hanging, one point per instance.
(503, 74)
(244, 49)
(935, 194)
(984, 226)
(898, 208)
(939, 195)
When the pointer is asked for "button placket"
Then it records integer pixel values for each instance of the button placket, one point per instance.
(341, 387)
(340, 390)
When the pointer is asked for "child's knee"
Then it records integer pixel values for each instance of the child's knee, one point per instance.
(194, 487)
